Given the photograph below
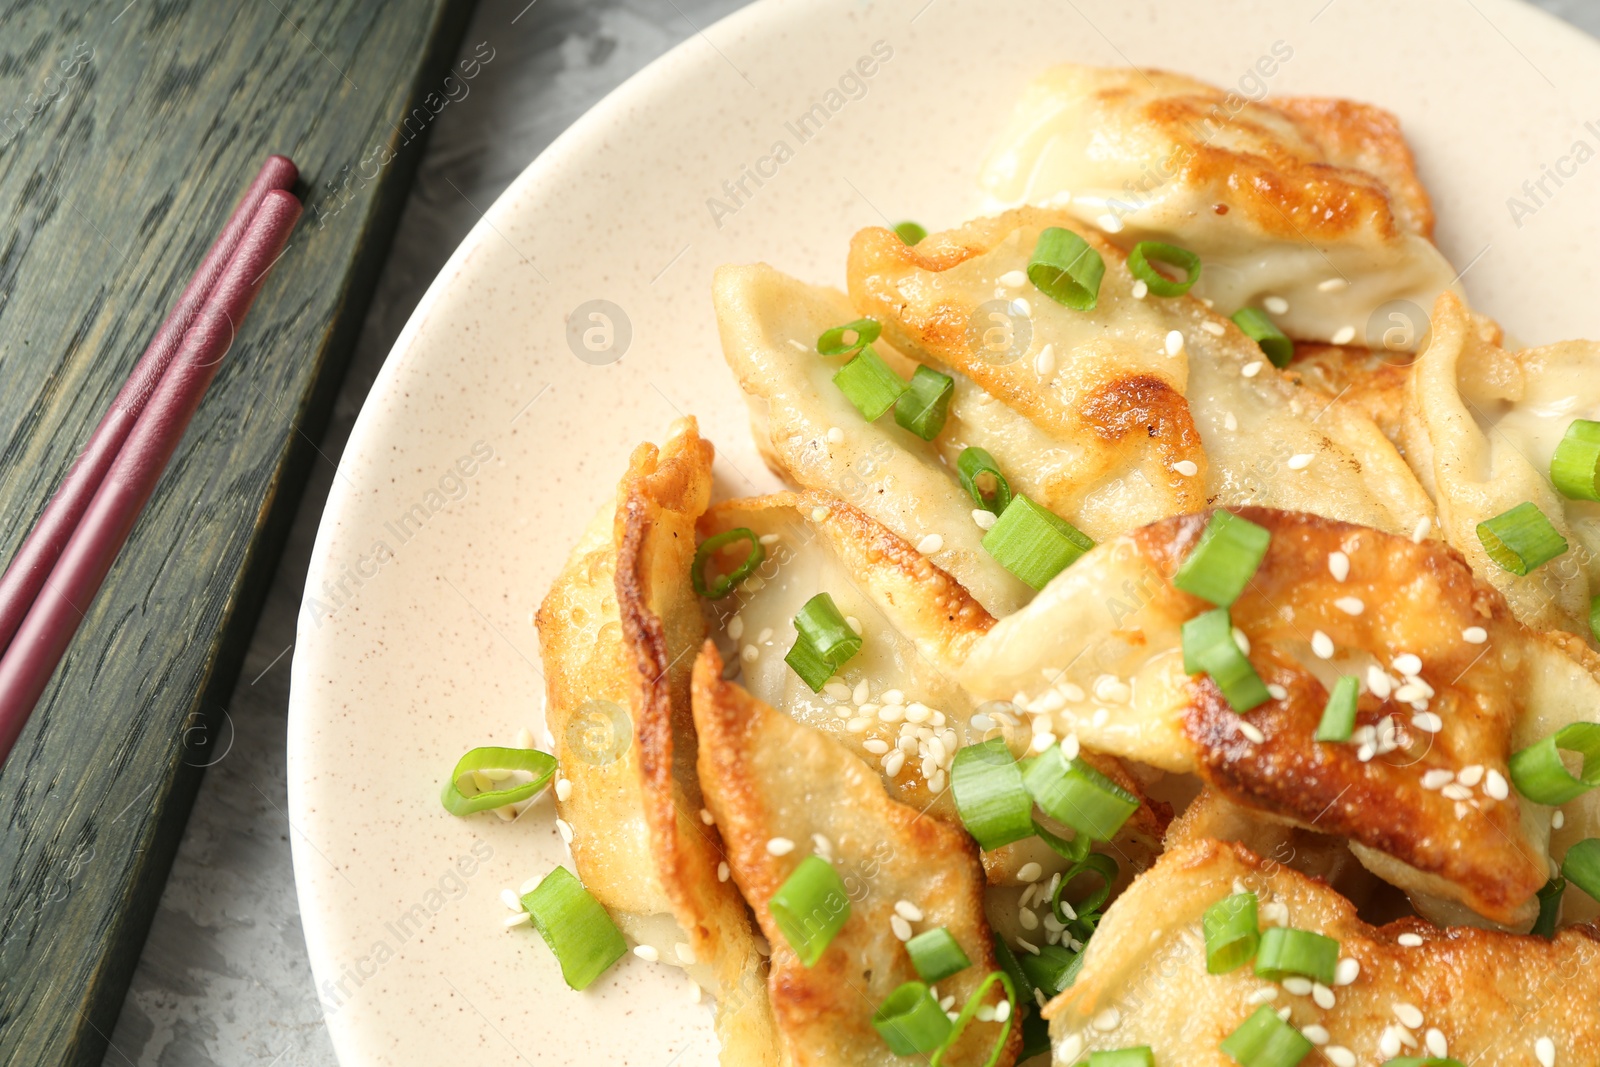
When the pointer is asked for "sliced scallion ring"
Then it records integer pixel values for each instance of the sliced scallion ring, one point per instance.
(1522, 539)
(910, 232)
(1074, 850)
(1209, 647)
(1095, 863)
(1539, 773)
(1264, 1040)
(825, 642)
(993, 804)
(1049, 970)
(1581, 866)
(1072, 792)
(869, 383)
(1224, 560)
(1233, 930)
(1140, 266)
(975, 463)
(1285, 951)
(1575, 467)
(810, 907)
(710, 546)
(1549, 907)
(936, 955)
(925, 404)
(541, 765)
(580, 932)
(1339, 716)
(911, 1021)
(1033, 543)
(1264, 332)
(970, 1009)
(861, 333)
(1068, 271)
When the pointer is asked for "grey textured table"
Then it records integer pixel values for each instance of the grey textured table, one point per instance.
(224, 978)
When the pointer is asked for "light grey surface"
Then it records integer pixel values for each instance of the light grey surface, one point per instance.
(224, 978)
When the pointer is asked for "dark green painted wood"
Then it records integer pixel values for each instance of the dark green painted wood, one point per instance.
(126, 132)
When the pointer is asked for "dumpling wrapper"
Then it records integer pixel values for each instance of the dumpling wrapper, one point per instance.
(1130, 416)
(616, 635)
(769, 777)
(1481, 426)
(1493, 995)
(1310, 200)
(1114, 613)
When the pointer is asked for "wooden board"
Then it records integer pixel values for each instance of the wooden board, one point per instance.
(126, 133)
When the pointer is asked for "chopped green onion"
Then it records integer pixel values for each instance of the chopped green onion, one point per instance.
(993, 804)
(825, 642)
(1073, 792)
(541, 765)
(1035, 1036)
(1575, 467)
(1011, 965)
(1233, 930)
(1034, 544)
(974, 462)
(1123, 1057)
(862, 332)
(925, 404)
(1549, 907)
(910, 232)
(1264, 332)
(1285, 951)
(710, 546)
(1339, 716)
(970, 1009)
(1048, 970)
(1066, 269)
(1521, 539)
(810, 907)
(1173, 256)
(936, 955)
(911, 1021)
(869, 383)
(1540, 775)
(1074, 850)
(1209, 647)
(1581, 866)
(1224, 559)
(1096, 863)
(578, 930)
(1264, 1040)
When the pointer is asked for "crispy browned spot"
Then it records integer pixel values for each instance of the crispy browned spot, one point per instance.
(1149, 407)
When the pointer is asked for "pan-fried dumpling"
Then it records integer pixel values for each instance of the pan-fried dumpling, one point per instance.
(809, 432)
(1372, 381)
(1158, 434)
(1421, 790)
(780, 792)
(1481, 426)
(1494, 999)
(1314, 202)
(617, 632)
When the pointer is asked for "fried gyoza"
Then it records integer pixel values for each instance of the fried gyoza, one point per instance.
(617, 631)
(781, 791)
(1313, 201)
(1099, 651)
(1481, 425)
(1109, 393)
(1372, 381)
(1493, 997)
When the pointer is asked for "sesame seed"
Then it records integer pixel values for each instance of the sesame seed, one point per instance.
(1069, 748)
(1389, 1043)
(1021, 305)
(1429, 723)
(892, 696)
(1410, 940)
(1409, 1014)
(1350, 605)
(891, 713)
(1028, 919)
(1434, 1039)
(1043, 741)
(1276, 691)
(779, 846)
(524, 738)
(1028, 946)
(1229, 423)
(835, 435)
(1029, 872)
(894, 763)
(1321, 644)
(1322, 996)
(1002, 1011)
(1186, 467)
(908, 910)
(736, 627)
(1338, 1055)
(1241, 640)
(1107, 1020)
(930, 544)
(1411, 692)
(1300, 987)
(1333, 285)
(984, 518)
(1347, 971)
(723, 873)
(1315, 1034)
(1174, 342)
(1263, 995)
(1438, 778)
(1301, 461)
(529, 886)
(1276, 304)
(1045, 361)
(1379, 682)
(858, 725)
(563, 789)
(1250, 730)
(1338, 566)
(1014, 278)
(1408, 663)
(1141, 289)
(1275, 912)
(1494, 784)
(876, 746)
(1471, 774)
(1558, 819)
(1100, 717)
(706, 817)
(1070, 691)
(685, 953)
(565, 830)
(1110, 223)
(769, 539)
(516, 920)
(1345, 335)
(901, 928)
(1251, 369)
(1545, 1050)
(1070, 1048)
(510, 900)
(819, 514)
(1475, 635)
(1421, 532)
(916, 711)
(1215, 329)
(937, 782)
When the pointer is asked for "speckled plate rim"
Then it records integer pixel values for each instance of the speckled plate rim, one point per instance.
(402, 661)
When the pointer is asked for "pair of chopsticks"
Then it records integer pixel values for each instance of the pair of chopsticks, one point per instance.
(52, 580)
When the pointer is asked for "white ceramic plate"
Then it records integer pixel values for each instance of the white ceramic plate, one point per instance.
(487, 443)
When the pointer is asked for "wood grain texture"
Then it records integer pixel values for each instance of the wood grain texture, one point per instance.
(126, 132)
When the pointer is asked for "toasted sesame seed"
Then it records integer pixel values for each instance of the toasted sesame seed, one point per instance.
(1409, 1014)
(707, 818)
(1014, 278)
(858, 725)
(646, 953)
(1240, 639)
(723, 873)
(1494, 784)
(1029, 872)
(930, 544)
(1215, 329)
(1002, 1011)
(1186, 467)
(1332, 285)
(510, 900)
(1421, 532)
(1174, 342)
(1263, 995)
(685, 953)
(1300, 462)
(876, 746)
(1389, 1043)
(1339, 1056)
(1408, 663)
(1379, 683)
(819, 514)
(1045, 361)
(516, 920)
(779, 846)
(1100, 717)
(984, 518)
(1300, 987)
(1475, 635)
(1276, 304)
(892, 696)
(750, 653)
(565, 830)
(1545, 1050)
(1427, 722)
(836, 690)
(1070, 1048)
(1276, 691)
(1434, 1039)
(1069, 747)
(1350, 605)
(1043, 741)
(1250, 730)
(1471, 774)
(1020, 305)
(894, 763)
(1338, 566)
(736, 627)
(1347, 971)
(835, 435)
(1275, 912)
(1229, 422)
(1110, 223)
(908, 910)
(1251, 369)
(901, 928)
(1345, 335)
(563, 789)
(1028, 919)
(1410, 940)
(1141, 289)
(769, 539)
(1107, 1020)
(1321, 644)
(1315, 1034)
(1558, 819)
(524, 738)
(1438, 778)
(937, 782)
